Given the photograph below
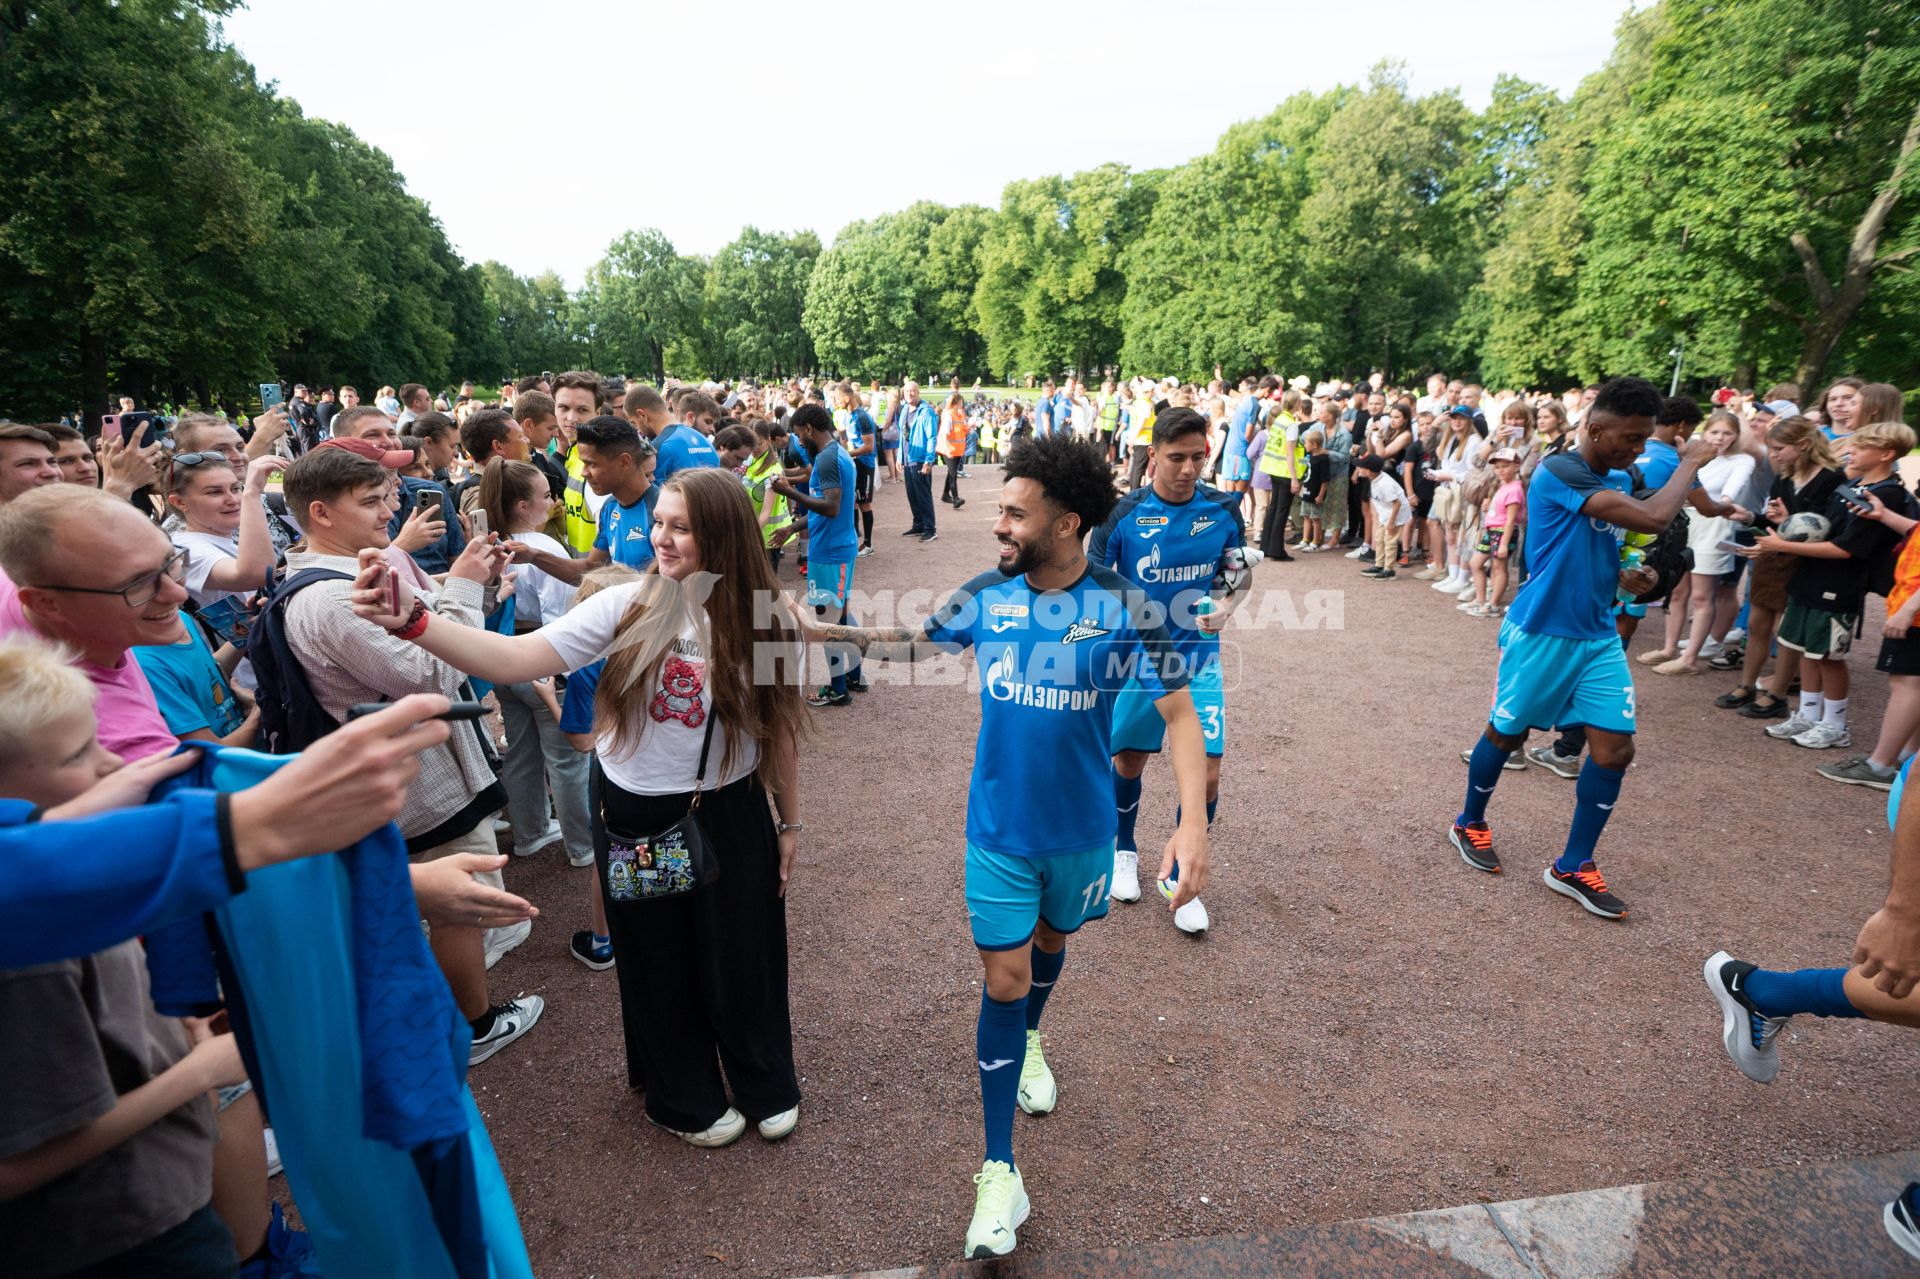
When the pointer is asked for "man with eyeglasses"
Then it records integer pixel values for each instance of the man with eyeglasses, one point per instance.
(85, 569)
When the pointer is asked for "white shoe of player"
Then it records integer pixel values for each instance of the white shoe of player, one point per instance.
(1126, 875)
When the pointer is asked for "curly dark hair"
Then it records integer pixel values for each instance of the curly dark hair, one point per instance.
(1071, 472)
(1628, 397)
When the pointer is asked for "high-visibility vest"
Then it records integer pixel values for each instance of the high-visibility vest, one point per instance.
(760, 473)
(1110, 413)
(1282, 458)
(581, 526)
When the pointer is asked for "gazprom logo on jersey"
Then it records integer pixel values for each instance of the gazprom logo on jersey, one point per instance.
(1048, 689)
(1147, 570)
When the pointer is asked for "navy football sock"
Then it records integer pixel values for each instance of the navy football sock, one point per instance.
(1820, 991)
(1483, 774)
(1001, 1042)
(1046, 971)
(1126, 798)
(1594, 796)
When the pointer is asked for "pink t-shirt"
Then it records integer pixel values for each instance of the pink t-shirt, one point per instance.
(130, 723)
(1511, 494)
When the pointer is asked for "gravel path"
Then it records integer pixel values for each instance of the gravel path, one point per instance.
(1371, 1027)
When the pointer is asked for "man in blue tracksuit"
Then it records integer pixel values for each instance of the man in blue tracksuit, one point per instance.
(920, 430)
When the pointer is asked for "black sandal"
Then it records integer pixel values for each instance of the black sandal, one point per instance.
(1741, 695)
(1772, 708)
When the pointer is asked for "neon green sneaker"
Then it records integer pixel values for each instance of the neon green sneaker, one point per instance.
(1038, 1093)
(999, 1207)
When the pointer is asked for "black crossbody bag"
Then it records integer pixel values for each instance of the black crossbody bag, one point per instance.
(669, 863)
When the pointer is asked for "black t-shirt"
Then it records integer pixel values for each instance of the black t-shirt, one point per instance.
(1811, 496)
(1840, 586)
(556, 476)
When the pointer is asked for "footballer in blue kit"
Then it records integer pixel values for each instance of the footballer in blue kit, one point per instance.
(1561, 662)
(681, 446)
(1056, 638)
(826, 512)
(1170, 540)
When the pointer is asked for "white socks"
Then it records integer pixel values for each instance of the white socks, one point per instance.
(1835, 712)
(1812, 706)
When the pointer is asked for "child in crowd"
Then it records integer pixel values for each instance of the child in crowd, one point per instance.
(108, 1130)
(1392, 513)
(1826, 593)
(1262, 488)
(1501, 514)
(1313, 491)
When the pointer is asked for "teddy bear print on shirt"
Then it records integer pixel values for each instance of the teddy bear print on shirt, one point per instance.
(679, 695)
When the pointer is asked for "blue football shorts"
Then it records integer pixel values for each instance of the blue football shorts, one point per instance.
(1008, 894)
(1137, 725)
(1550, 681)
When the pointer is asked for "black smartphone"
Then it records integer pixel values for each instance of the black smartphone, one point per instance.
(1855, 496)
(459, 710)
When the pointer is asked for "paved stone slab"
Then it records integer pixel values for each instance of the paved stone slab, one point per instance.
(1816, 1221)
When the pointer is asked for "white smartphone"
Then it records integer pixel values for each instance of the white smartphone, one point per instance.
(478, 520)
(1734, 547)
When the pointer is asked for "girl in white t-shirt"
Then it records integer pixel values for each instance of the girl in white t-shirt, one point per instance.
(516, 501)
(704, 641)
(1715, 580)
(229, 550)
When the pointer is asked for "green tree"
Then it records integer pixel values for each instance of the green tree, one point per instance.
(859, 308)
(755, 291)
(1051, 288)
(639, 301)
(138, 231)
(1214, 277)
(1383, 254)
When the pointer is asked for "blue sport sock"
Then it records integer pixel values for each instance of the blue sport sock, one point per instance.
(1046, 971)
(1126, 798)
(1213, 806)
(1820, 991)
(1483, 774)
(1593, 798)
(1001, 1042)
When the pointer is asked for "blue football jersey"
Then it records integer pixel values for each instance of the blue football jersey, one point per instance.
(1573, 559)
(1051, 665)
(1171, 551)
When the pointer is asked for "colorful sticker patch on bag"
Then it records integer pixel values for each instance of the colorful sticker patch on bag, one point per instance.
(642, 868)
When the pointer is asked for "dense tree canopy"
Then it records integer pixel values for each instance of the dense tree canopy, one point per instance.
(1740, 180)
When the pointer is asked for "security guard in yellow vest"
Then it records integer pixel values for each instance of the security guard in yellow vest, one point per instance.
(577, 397)
(1285, 459)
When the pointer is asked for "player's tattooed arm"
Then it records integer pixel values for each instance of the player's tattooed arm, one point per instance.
(883, 643)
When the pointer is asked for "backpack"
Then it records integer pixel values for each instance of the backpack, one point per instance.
(1669, 556)
(291, 717)
(1880, 568)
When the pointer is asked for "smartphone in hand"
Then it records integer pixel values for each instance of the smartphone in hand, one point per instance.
(271, 396)
(393, 590)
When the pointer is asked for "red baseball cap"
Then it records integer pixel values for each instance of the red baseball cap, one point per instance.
(392, 459)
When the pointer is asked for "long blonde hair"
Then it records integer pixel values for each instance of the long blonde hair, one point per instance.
(1815, 453)
(751, 642)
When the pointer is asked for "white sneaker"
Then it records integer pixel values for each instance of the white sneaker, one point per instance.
(1466, 592)
(502, 940)
(501, 825)
(578, 860)
(1711, 649)
(1190, 918)
(1358, 551)
(1823, 736)
(1038, 1093)
(777, 1126)
(724, 1131)
(1735, 637)
(1792, 726)
(510, 1021)
(1126, 875)
(999, 1208)
(548, 836)
(1449, 584)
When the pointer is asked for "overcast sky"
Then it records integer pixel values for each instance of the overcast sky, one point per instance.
(828, 112)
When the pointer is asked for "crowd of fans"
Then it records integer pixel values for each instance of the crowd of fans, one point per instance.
(263, 582)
